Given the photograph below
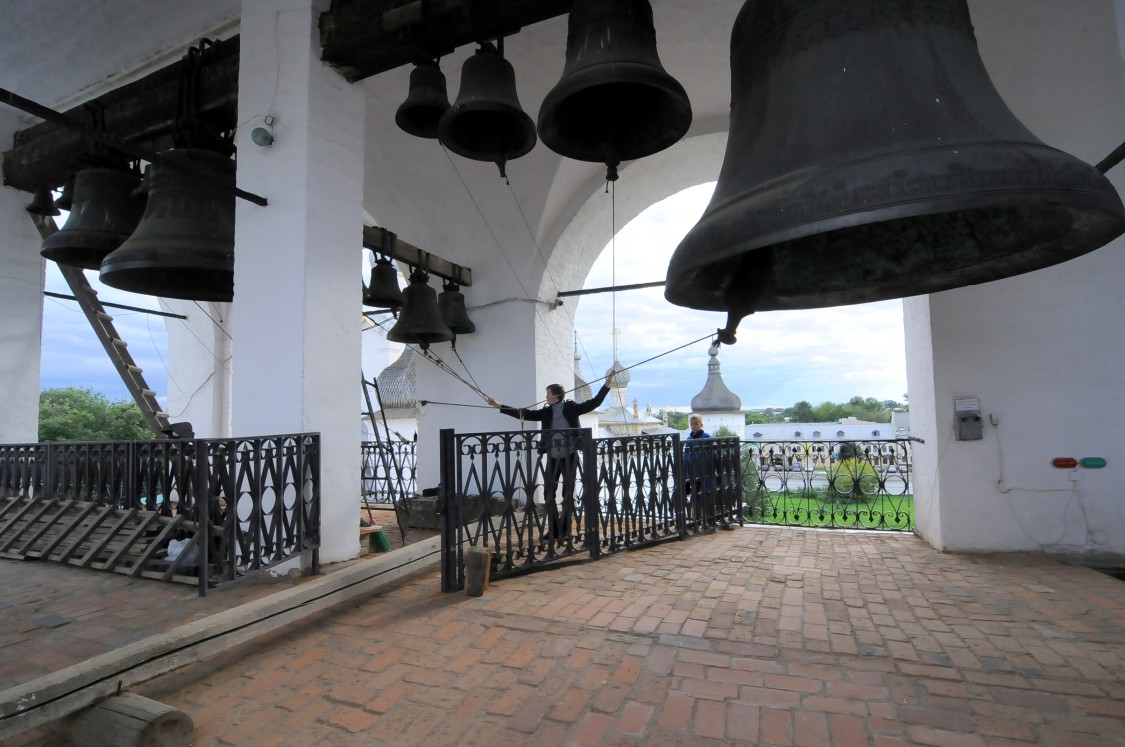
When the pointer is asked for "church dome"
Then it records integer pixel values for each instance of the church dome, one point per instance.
(581, 387)
(715, 396)
(621, 380)
(397, 387)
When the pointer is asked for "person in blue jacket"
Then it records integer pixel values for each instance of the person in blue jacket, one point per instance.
(559, 447)
(699, 464)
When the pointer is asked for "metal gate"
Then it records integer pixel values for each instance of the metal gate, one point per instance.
(536, 498)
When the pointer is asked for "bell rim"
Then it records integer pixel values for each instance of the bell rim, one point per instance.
(445, 128)
(1067, 184)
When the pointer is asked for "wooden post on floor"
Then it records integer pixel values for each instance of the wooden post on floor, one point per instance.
(478, 568)
(128, 720)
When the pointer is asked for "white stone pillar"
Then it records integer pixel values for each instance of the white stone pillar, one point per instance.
(296, 316)
(21, 309)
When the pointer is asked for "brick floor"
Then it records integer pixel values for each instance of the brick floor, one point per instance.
(756, 636)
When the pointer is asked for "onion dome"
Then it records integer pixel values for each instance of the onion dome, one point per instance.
(715, 396)
(397, 385)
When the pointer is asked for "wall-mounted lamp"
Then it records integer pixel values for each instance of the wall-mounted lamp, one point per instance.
(263, 136)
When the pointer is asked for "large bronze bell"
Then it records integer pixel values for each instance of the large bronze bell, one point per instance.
(486, 123)
(614, 102)
(451, 303)
(184, 245)
(870, 157)
(425, 103)
(103, 213)
(383, 292)
(419, 322)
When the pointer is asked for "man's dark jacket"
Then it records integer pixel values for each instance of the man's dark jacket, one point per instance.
(571, 410)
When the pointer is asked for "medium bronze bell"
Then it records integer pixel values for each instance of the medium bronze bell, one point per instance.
(383, 292)
(451, 302)
(486, 123)
(102, 215)
(43, 203)
(65, 199)
(425, 103)
(419, 322)
(870, 157)
(614, 102)
(184, 244)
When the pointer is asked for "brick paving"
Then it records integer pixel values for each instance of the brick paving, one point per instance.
(754, 636)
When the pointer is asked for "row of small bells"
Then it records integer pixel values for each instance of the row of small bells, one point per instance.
(424, 316)
(169, 234)
(869, 155)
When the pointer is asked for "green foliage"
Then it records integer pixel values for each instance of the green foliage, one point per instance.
(802, 412)
(723, 432)
(81, 414)
(677, 420)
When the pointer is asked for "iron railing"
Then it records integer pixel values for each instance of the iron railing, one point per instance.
(389, 469)
(510, 493)
(256, 499)
(832, 484)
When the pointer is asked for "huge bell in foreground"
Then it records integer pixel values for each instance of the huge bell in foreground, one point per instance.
(419, 321)
(870, 157)
(614, 102)
(103, 213)
(184, 244)
(486, 122)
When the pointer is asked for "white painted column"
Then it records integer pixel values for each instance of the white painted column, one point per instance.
(296, 316)
(21, 309)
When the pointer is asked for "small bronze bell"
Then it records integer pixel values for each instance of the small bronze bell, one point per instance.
(419, 322)
(425, 103)
(614, 102)
(870, 157)
(42, 203)
(184, 244)
(383, 292)
(103, 214)
(451, 301)
(487, 123)
(66, 198)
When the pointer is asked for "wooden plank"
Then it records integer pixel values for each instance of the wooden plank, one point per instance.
(87, 509)
(19, 515)
(11, 503)
(51, 524)
(161, 539)
(141, 528)
(105, 513)
(106, 536)
(61, 693)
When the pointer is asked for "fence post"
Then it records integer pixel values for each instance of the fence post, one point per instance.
(679, 500)
(202, 514)
(451, 514)
(591, 495)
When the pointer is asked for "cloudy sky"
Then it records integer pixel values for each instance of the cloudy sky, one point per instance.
(781, 356)
(72, 355)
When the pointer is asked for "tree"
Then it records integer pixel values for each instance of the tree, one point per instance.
(81, 414)
(723, 432)
(676, 420)
(802, 412)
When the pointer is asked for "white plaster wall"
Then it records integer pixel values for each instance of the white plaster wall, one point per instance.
(199, 366)
(1041, 350)
(21, 309)
(296, 315)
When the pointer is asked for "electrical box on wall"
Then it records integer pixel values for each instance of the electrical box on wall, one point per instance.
(969, 426)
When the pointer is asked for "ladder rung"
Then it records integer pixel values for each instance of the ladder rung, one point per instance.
(119, 342)
(136, 369)
(104, 316)
(148, 393)
(160, 414)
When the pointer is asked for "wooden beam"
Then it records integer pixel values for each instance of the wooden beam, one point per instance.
(140, 113)
(385, 242)
(361, 38)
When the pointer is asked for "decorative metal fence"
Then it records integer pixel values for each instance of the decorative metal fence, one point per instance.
(838, 484)
(389, 469)
(537, 497)
(255, 500)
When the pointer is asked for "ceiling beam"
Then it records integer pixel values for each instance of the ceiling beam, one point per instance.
(141, 113)
(362, 38)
